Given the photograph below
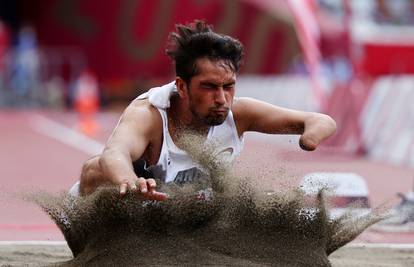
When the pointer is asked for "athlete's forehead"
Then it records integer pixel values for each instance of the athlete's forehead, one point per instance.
(214, 71)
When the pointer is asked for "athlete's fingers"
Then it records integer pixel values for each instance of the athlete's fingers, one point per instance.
(123, 188)
(132, 186)
(142, 184)
(154, 195)
(151, 183)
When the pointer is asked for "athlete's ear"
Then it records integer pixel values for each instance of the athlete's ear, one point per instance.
(181, 87)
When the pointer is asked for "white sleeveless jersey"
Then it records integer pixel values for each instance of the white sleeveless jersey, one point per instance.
(174, 164)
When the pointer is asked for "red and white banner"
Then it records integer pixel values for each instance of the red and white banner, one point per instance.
(124, 40)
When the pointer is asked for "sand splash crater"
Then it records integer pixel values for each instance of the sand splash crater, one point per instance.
(241, 225)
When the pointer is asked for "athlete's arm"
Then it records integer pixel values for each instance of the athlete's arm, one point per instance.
(255, 115)
(128, 143)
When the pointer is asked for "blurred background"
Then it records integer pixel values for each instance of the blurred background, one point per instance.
(350, 59)
(69, 67)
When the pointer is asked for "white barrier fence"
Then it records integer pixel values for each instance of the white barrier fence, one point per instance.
(290, 91)
(387, 120)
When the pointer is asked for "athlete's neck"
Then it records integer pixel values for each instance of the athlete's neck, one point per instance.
(181, 119)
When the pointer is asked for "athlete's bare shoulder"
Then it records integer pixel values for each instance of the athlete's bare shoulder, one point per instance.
(241, 113)
(141, 116)
(240, 105)
(143, 107)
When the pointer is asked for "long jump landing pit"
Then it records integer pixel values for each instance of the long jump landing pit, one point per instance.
(38, 255)
(41, 253)
(234, 222)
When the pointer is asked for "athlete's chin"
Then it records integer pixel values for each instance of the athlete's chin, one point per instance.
(215, 120)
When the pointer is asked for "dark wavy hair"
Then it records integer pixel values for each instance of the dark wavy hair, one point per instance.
(198, 40)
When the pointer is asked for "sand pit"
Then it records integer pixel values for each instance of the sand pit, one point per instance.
(237, 227)
(372, 255)
(241, 225)
(21, 254)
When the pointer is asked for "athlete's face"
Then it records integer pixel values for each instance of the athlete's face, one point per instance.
(211, 92)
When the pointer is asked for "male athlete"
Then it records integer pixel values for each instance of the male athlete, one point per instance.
(200, 99)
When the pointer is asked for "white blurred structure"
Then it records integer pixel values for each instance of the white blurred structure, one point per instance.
(387, 120)
(290, 91)
(346, 192)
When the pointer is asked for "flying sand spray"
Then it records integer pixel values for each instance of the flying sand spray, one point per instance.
(240, 226)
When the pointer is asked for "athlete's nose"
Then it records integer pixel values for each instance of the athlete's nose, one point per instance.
(220, 97)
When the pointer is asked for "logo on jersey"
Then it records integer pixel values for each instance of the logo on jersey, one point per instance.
(189, 175)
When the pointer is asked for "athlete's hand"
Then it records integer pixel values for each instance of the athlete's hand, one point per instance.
(142, 186)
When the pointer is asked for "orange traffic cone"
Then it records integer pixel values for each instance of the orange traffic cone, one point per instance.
(87, 103)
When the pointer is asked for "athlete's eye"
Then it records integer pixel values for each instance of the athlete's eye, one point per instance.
(208, 86)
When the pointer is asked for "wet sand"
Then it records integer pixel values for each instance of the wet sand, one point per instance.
(348, 256)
